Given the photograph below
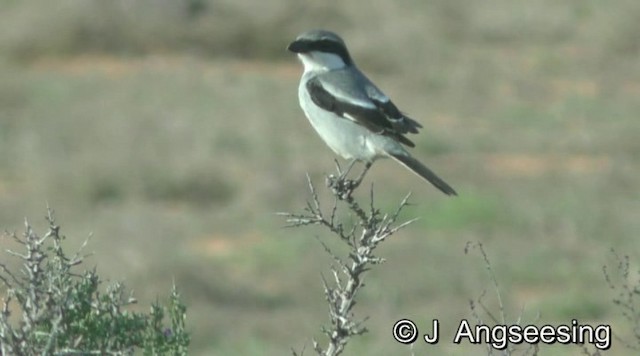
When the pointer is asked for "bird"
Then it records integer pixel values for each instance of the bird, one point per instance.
(351, 115)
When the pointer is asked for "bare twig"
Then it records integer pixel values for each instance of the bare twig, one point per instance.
(628, 297)
(531, 349)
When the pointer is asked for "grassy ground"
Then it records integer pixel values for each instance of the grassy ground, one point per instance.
(173, 135)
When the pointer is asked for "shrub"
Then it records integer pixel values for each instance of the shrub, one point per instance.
(61, 311)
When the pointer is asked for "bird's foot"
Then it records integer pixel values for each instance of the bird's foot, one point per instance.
(343, 187)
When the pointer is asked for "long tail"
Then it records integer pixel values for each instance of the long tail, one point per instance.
(420, 169)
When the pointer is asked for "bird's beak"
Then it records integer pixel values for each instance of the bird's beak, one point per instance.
(297, 46)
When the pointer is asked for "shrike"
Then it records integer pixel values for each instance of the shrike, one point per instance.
(353, 117)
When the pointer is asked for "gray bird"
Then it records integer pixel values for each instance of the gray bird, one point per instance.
(353, 117)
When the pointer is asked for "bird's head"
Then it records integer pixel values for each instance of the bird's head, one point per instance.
(321, 50)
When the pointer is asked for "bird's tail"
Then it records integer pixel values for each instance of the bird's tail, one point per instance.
(420, 169)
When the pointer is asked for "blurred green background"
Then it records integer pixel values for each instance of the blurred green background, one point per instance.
(170, 131)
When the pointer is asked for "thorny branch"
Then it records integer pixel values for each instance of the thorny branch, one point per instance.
(34, 288)
(362, 237)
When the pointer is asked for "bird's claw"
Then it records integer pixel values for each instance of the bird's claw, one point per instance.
(341, 186)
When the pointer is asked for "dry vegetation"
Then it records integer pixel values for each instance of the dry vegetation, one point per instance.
(170, 129)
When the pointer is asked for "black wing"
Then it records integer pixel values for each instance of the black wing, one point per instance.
(399, 121)
(378, 116)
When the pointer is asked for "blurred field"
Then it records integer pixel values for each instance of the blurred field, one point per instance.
(171, 131)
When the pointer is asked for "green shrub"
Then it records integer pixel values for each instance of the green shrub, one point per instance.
(51, 308)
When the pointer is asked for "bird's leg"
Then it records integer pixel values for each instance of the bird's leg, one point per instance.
(340, 185)
(344, 174)
(335, 160)
(357, 182)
